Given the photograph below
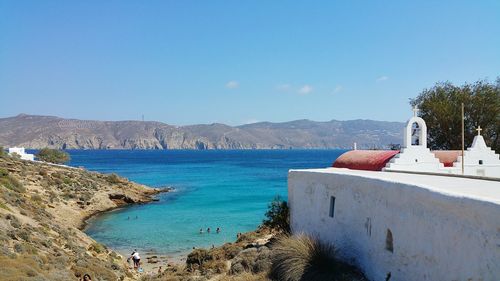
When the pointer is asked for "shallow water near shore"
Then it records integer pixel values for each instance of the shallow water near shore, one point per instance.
(229, 189)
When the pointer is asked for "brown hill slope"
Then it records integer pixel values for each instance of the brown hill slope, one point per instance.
(34, 131)
(43, 207)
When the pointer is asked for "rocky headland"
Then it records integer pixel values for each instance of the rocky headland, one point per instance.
(43, 209)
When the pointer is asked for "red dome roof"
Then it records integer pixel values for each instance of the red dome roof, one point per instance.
(447, 157)
(371, 160)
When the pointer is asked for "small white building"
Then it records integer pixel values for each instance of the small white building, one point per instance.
(20, 151)
(400, 226)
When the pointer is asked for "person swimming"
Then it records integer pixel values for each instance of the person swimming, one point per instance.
(201, 230)
(208, 230)
(218, 230)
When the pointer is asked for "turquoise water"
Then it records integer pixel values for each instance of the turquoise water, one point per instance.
(213, 188)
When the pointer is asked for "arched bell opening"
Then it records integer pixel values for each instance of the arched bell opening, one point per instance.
(416, 135)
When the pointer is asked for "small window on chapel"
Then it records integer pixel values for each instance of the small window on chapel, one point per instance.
(388, 241)
(480, 162)
(332, 206)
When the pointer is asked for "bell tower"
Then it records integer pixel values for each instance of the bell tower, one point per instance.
(414, 155)
(415, 132)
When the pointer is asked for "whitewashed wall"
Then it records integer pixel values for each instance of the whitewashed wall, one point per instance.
(21, 153)
(436, 236)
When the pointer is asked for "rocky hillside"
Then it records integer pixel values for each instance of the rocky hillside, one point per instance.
(33, 131)
(42, 209)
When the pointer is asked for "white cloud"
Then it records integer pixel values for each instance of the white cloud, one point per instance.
(283, 87)
(338, 89)
(306, 89)
(232, 84)
(382, 78)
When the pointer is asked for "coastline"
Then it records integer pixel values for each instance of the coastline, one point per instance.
(161, 259)
(149, 197)
(45, 208)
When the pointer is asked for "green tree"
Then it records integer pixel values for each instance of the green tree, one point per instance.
(53, 156)
(278, 215)
(440, 107)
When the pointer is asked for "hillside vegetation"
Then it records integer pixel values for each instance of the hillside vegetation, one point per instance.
(42, 209)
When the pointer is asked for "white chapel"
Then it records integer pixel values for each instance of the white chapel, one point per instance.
(415, 156)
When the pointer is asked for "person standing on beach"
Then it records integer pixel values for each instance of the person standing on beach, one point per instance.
(136, 259)
(131, 255)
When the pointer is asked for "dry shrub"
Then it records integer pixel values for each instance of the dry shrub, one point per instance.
(246, 277)
(3, 206)
(3, 172)
(170, 273)
(113, 179)
(217, 266)
(301, 257)
(197, 258)
(14, 222)
(231, 250)
(12, 183)
(97, 248)
(42, 172)
(19, 268)
(36, 198)
(97, 269)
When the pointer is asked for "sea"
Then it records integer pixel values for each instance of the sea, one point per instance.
(226, 189)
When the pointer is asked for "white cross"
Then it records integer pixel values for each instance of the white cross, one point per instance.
(415, 110)
(479, 130)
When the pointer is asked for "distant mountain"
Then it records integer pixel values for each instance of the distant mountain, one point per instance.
(33, 131)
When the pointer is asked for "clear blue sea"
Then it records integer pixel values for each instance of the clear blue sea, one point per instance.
(229, 189)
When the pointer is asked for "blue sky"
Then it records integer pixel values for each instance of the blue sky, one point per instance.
(235, 62)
